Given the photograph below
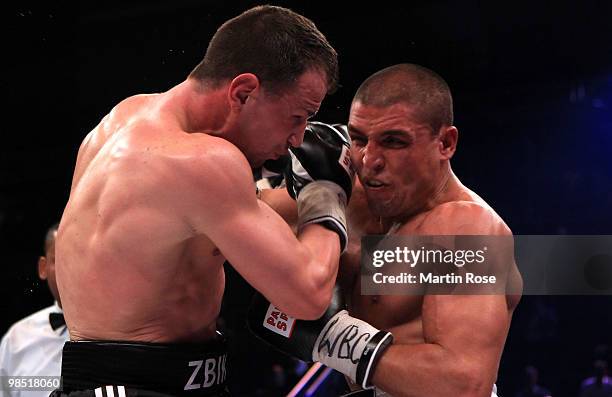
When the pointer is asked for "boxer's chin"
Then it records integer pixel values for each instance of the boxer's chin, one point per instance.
(256, 162)
(384, 208)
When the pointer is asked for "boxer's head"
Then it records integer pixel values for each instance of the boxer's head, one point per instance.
(46, 263)
(275, 67)
(275, 44)
(401, 127)
(263, 124)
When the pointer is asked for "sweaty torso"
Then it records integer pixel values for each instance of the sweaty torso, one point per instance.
(399, 314)
(129, 266)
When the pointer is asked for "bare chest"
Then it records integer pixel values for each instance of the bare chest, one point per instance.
(401, 314)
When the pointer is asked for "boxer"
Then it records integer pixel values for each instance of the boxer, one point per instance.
(162, 195)
(402, 133)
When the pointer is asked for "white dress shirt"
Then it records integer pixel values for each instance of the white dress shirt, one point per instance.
(32, 348)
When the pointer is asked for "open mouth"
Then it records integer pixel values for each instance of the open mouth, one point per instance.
(374, 184)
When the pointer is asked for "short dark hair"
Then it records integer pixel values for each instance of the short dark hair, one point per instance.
(274, 43)
(50, 237)
(413, 85)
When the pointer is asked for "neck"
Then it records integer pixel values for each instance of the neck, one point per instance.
(199, 109)
(440, 194)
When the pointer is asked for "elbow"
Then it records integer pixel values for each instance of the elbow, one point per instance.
(304, 310)
(312, 290)
(310, 313)
(473, 384)
(320, 294)
(320, 303)
(312, 301)
(312, 304)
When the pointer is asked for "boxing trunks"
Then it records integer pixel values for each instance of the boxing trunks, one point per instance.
(134, 369)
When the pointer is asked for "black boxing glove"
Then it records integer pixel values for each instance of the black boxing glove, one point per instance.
(321, 177)
(342, 342)
(323, 155)
(271, 174)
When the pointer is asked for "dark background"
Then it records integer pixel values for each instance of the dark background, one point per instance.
(532, 85)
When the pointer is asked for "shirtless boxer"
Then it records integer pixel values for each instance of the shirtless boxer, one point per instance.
(163, 194)
(401, 126)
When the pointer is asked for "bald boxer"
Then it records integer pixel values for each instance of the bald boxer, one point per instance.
(163, 194)
(401, 127)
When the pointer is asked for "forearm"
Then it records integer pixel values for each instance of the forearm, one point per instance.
(321, 267)
(430, 370)
(280, 201)
(301, 282)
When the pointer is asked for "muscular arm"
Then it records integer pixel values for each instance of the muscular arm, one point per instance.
(463, 335)
(296, 274)
(280, 201)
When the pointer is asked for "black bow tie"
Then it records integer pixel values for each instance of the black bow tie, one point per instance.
(56, 320)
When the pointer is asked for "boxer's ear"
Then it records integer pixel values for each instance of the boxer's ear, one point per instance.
(447, 138)
(242, 87)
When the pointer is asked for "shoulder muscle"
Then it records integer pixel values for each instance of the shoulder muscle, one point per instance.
(463, 217)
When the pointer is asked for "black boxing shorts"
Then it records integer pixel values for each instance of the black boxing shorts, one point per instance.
(129, 369)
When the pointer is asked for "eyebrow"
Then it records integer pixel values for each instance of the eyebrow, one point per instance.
(353, 130)
(396, 133)
(356, 131)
